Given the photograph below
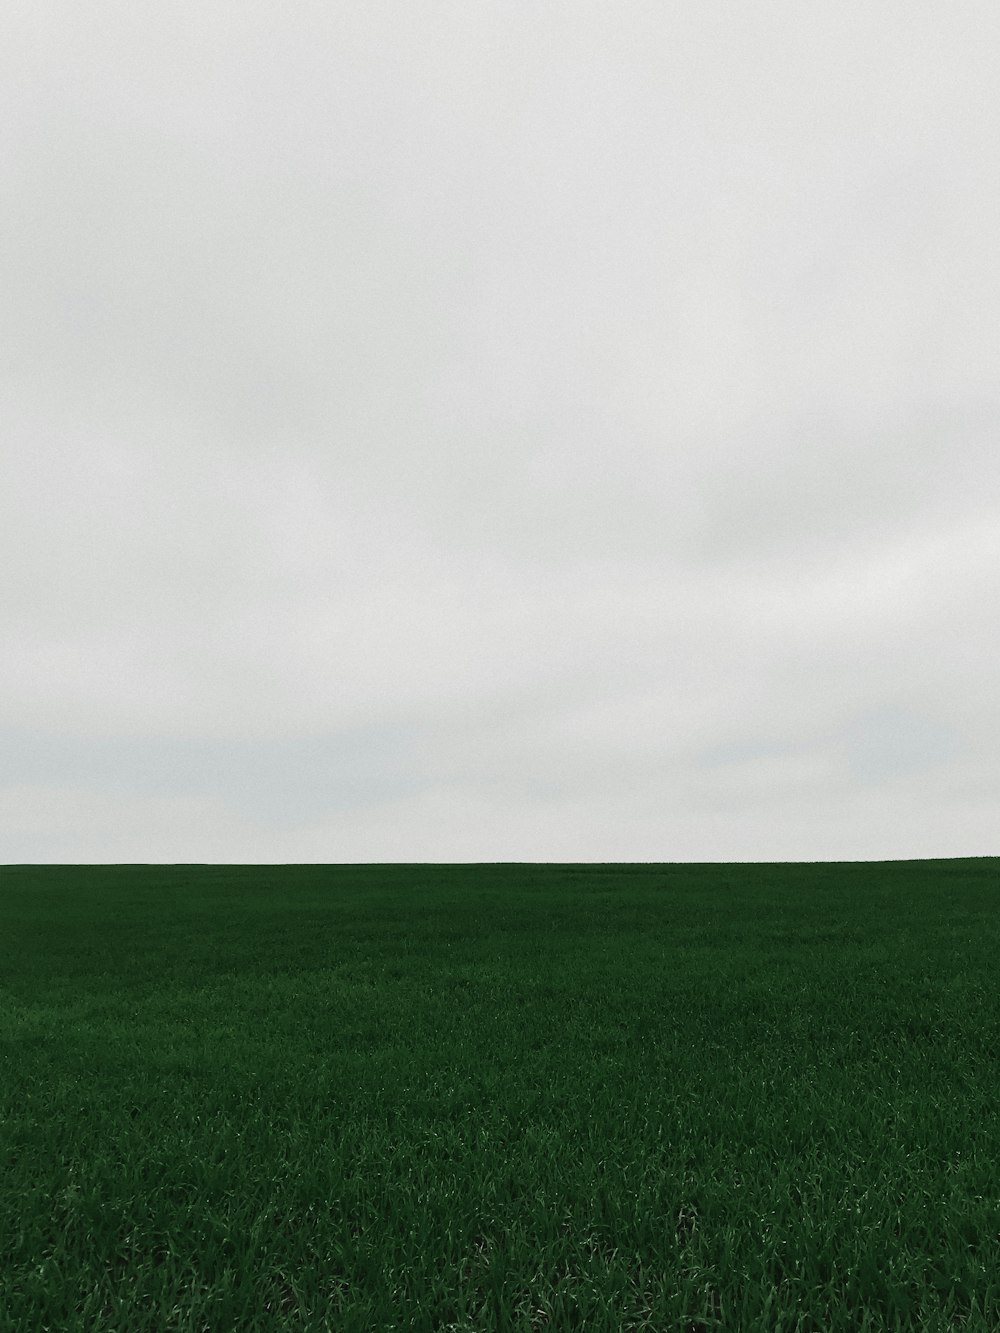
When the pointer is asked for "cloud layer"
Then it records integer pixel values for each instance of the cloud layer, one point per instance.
(470, 432)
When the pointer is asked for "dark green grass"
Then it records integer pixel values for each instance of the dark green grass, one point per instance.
(518, 1097)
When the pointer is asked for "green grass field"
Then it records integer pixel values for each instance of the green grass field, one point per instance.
(500, 1097)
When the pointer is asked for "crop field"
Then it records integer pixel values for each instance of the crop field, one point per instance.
(521, 1097)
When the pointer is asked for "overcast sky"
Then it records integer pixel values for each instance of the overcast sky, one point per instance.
(453, 430)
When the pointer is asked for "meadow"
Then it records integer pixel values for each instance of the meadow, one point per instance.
(524, 1097)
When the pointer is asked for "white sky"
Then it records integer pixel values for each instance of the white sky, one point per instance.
(456, 431)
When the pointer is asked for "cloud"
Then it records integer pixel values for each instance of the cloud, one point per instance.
(449, 430)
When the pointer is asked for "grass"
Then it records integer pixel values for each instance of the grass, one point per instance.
(500, 1097)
